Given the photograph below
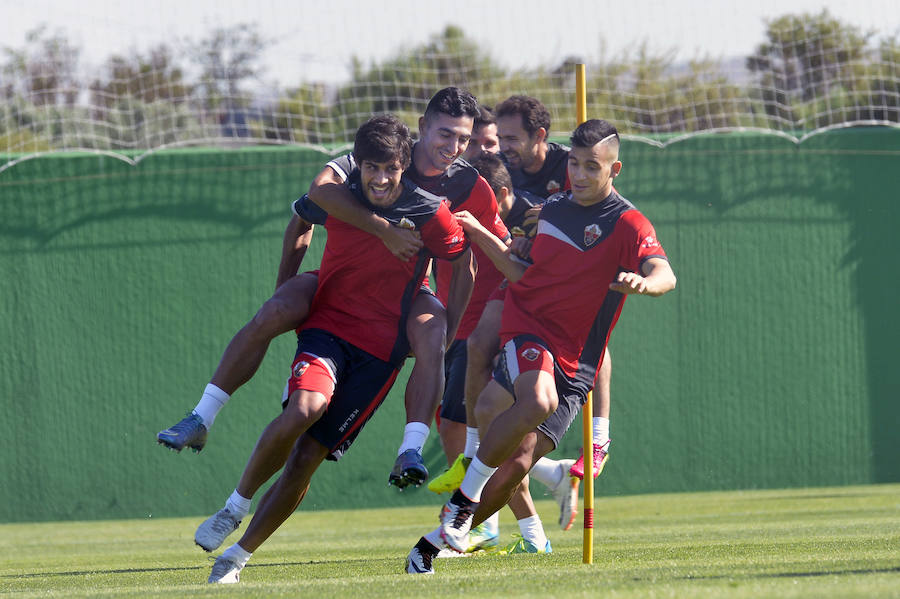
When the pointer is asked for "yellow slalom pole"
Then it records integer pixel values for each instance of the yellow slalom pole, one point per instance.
(587, 553)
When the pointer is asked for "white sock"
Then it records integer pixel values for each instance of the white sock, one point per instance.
(238, 504)
(414, 436)
(533, 530)
(600, 430)
(213, 400)
(476, 478)
(472, 442)
(434, 537)
(547, 472)
(493, 521)
(237, 554)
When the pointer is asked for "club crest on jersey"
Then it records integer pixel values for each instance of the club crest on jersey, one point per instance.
(300, 368)
(531, 354)
(405, 223)
(592, 233)
(553, 186)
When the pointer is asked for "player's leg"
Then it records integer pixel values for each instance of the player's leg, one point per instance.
(315, 370)
(276, 506)
(427, 333)
(284, 311)
(269, 455)
(531, 528)
(599, 420)
(481, 348)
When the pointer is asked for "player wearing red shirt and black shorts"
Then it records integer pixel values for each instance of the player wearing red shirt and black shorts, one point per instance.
(590, 247)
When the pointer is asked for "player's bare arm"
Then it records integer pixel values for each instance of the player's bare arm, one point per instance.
(297, 237)
(330, 193)
(462, 281)
(657, 279)
(495, 248)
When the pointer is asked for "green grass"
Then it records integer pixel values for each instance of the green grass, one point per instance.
(834, 542)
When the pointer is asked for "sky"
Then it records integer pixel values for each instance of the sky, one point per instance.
(314, 40)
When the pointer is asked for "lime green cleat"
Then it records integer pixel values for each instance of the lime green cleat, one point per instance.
(483, 537)
(452, 477)
(521, 545)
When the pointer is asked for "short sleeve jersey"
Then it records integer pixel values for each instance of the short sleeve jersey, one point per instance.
(552, 177)
(364, 292)
(564, 296)
(466, 190)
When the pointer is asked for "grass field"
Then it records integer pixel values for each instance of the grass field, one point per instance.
(826, 542)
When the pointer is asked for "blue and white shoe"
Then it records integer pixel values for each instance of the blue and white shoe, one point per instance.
(409, 469)
(190, 432)
(421, 557)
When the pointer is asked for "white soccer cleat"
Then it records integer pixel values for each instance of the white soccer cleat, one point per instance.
(211, 534)
(225, 571)
(566, 494)
(456, 521)
(420, 558)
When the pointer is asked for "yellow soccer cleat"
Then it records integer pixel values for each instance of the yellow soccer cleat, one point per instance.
(452, 477)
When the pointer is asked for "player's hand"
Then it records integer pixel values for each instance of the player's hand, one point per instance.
(521, 247)
(531, 217)
(402, 243)
(629, 283)
(468, 222)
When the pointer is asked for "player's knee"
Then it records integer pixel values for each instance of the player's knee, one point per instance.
(544, 404)
(303, 410)
(428, 339)
(278, 315)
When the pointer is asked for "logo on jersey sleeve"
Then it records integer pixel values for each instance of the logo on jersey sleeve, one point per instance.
(553, 186)
(405, 223)
(531, 354)
(649, 242)
(300, 368)
(592, 233)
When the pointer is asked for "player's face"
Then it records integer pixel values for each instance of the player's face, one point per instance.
(484, 139)
(591, 172)
(442, 138)
(381, 181)
(519, 148)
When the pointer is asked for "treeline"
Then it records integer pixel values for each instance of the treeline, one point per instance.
(810, 71)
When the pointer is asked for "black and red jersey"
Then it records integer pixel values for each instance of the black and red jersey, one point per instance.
(564, 296)
(364, 292)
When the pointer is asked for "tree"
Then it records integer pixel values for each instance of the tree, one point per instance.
(227, 58)
(44, 71)
(806, 57)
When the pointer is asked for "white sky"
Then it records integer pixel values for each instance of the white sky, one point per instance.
(315, 39)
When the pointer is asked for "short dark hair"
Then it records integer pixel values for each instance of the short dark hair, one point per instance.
(534, 114)
(485, 117)
(491, 167)
(383, 138)
(590, 133)
(452, 101)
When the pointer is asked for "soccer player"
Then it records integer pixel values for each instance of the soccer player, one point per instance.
(444, 132)
(539, 166)
(352, 344)
(287, 308)
(592, 248)
(484, 135)
(455, 412)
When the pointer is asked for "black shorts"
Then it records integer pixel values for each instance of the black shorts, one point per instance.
(362, 381)
(453, 404)
(572, 394)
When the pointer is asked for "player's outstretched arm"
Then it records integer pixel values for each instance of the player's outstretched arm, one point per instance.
(495, 248)
(297, 237)
(330, 193)
(657, 279)
(462, 281)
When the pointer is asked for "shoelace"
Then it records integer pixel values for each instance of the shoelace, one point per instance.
(462, 514)
(219, 525)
